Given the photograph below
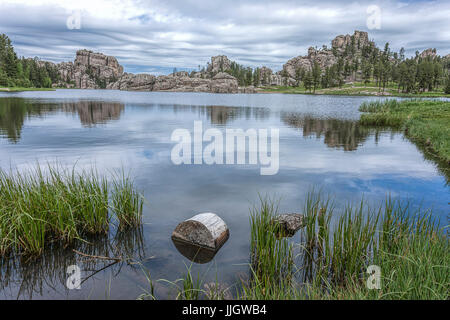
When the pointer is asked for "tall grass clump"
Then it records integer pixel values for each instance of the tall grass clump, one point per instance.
(127, 203)
(271, 257)
(335, 254)
(411, 250)
(337, 247)
(38, 208)
(413, 253)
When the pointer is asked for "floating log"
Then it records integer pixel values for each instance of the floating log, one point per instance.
(206, 230)
(289, 223)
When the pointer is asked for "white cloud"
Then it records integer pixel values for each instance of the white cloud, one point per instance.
(184, 34)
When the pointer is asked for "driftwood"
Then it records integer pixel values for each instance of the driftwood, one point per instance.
(97, 257)
(206, 230)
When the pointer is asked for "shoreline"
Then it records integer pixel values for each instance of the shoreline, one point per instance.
(19, 89)
(263, 91)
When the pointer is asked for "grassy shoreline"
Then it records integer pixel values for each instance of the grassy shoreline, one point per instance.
(426, 122)
(332, 261)
(356, 89)
(21, 89)
(38, 209)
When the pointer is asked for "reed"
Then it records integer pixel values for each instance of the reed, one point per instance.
(38, 208)
(410, 248)
(271, 258)
(127, 203)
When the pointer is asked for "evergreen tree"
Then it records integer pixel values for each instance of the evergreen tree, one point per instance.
(447, 86)
(308, 81)
(316, 72)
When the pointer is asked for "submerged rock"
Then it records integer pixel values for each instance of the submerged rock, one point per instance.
(289, 223)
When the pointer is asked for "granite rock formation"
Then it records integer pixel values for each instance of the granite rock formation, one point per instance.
(325, 57)
(90, 70)
(181, 81)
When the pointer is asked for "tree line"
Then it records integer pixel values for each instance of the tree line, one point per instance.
(23, 72)
(367, 64)
(381, 67)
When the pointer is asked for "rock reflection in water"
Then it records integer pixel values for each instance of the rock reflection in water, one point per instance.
(32, 276)
(93, 112)
(14, 112)
(346, 134)
(222, 115)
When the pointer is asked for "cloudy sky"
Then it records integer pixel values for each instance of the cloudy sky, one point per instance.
(156, 36)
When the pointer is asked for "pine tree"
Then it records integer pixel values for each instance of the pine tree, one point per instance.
(3, 78)
(308, 81)
(316, 72)
(447, 86)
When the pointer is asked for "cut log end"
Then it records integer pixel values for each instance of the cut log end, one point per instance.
(206, 230)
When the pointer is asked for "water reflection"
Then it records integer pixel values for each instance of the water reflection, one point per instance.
(194, 253)
(93, 113)
(346, 134)
(14, 112)
(30, 277)
(137, 137)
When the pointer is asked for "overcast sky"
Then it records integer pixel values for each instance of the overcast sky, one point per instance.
(156, 36)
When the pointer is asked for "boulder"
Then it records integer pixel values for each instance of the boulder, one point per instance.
(249, 89)
(223, 83)
(289, 223)
(133, 82)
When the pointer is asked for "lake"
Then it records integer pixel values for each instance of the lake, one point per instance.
(320, 145)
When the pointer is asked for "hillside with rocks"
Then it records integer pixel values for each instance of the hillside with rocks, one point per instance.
(350, 58)
(98, 71)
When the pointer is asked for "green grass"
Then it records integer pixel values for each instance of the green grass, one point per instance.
(126, 201)
(330, 258)
(424, 121)
(38, 208)
(409, 247)
(271, 257)
(354, 89)
(20, 89)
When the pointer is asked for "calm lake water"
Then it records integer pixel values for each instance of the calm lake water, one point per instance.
(321, 144)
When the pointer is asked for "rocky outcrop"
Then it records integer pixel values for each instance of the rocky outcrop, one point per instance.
(348, 47)
(218, 64)
(428, 53)
(223, 83)
(324, 57)
(180, 82)
(90, 70)
(133, 82)
(358, 40)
